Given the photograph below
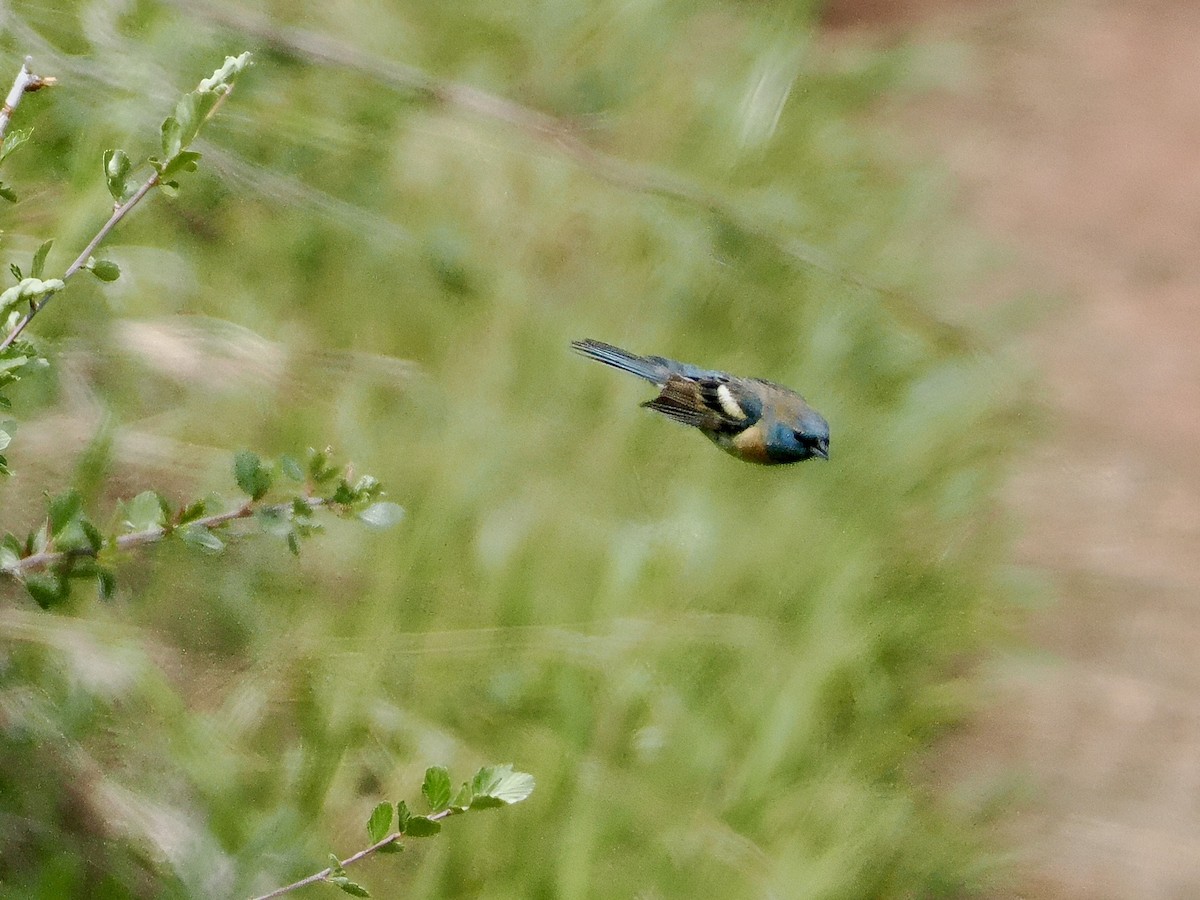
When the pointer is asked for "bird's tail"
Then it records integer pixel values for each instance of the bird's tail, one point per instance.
(652, 368)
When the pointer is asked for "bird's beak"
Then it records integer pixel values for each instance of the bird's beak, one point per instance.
(822, 452)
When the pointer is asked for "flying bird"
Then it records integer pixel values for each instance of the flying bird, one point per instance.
(755, 420)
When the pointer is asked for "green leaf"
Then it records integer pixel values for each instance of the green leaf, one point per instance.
(31, 289)
(16, 271)
(273, 520)
(192, 511)
(8, 193)
(500, 786)
(393, 847)
(39, 540)
(290, 467)
(402, 813)
(183, 161)
(462, 800)
(16, 357)
(192, 111)
(436, 788)
(63, 510)
(382, 515)
(293, 542)
(104, 269)
(354, 889)
(143, 512)
(95, 539)
(47, 589)
(343, 494)
(35, 289)
(422, 826)
(116, 173)
(66, 521)
(199, 536)
(252, 477)
(224, 77)
(39, 259)
(319, 469)
(172, 137)
(11, 365)
(170, 188)
(106, 584)
(13, 140)
(10, 299)
(367, 487)
(380, 823)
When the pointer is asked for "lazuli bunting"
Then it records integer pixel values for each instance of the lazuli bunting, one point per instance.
(756, 421)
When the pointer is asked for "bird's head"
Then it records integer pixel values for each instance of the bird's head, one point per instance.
(804, 437)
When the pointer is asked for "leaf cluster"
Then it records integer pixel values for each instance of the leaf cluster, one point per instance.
(69, 546)
(19, 303)
(12, 141)
(177, 132)
(490, 788)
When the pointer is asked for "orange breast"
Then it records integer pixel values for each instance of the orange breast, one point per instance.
(749, 445)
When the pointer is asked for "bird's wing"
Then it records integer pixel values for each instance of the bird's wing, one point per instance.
(737, 404)
(714, 403)
(680, 401)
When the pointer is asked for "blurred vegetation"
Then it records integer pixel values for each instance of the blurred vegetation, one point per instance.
(725, 679)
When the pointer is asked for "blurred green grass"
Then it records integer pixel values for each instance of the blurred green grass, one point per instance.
(723, 678)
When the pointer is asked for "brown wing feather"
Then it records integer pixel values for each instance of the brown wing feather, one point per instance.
(680, 401)
(692, 403)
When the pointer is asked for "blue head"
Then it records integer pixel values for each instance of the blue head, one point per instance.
(804, 436)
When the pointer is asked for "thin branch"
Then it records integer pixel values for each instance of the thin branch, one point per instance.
(80, 261)
(50, 558)
(26, 82)
(348, 861)
(119, 213)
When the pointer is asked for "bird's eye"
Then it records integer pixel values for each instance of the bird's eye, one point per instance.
(811, 442)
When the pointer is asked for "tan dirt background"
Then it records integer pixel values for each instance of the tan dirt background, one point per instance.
(1075, 141)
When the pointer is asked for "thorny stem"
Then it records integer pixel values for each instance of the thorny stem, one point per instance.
(348, 861)
(50, 558)
(26, 82)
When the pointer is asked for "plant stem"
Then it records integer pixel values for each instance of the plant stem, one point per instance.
(348, 861)
(119, 212)
(50, 558)
(80, 261)
(26, 82)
